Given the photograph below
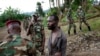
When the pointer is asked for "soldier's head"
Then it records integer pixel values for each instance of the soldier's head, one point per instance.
(13, 27)
(52, 22)
(35, 17)
(80, 7)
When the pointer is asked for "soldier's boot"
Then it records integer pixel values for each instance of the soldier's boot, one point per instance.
(80, 28)
(87, 25)
(68, 32)
(70, 25)
(75, 29)
(89, 28)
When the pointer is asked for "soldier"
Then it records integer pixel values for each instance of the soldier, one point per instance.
(38, 37)
(71, 21)
(82, 18)
(30, 30)
(57, 42)
(14, 44)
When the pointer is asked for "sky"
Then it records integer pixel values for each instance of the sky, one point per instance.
(23, 5)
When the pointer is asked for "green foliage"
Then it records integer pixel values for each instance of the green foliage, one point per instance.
(10, 13)
(76, 3)
(94, 24)
(1, 24)
(64, 19)
(53, 11)
(89, 4)
(89, 15)
(45, 21)
(66, 3)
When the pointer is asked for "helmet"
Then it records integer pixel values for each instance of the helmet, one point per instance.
(79, 7)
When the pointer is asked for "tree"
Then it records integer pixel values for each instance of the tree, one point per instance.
(53, 3)
(50, 4)
(39, 9)
(59, 5)
(62, 1)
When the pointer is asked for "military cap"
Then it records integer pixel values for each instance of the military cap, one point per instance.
(34, 16)
(13, 22)
(80, 7)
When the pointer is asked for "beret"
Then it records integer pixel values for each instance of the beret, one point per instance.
(9, 22)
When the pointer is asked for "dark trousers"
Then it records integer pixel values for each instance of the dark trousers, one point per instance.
(83, 20)
(70, 26)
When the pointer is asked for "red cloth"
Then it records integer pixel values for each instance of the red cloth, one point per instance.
(12, 21)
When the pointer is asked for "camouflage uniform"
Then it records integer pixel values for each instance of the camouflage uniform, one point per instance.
(81, 16)
(38, 40)
(35, 30)
(15, 47)
(71, 21)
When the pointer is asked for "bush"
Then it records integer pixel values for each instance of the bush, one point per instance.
(94, 24)
(53, 11)
(1, 24)
(11, 13)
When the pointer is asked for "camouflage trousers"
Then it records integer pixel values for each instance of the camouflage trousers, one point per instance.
(37, 48)
(38, 52)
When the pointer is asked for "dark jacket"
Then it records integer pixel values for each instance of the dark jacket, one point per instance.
(59, 44)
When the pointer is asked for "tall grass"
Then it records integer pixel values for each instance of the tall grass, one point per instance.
(94, 24)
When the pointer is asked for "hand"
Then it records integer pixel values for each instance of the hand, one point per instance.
(57, 54)
(41, 49)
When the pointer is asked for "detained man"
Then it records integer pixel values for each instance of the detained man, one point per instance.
(57, 42)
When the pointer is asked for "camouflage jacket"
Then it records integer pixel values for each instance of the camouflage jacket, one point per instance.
(80, 14)
(69, 14)
(69, 17)
(38, 28)
(15, 47)
(36, 32)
